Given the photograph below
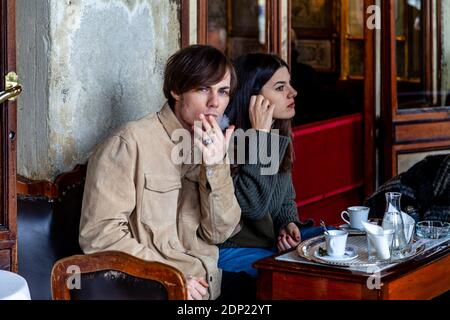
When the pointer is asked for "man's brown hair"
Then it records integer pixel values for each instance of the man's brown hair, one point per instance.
(196, 66)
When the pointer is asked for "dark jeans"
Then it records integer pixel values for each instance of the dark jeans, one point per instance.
(237, 286)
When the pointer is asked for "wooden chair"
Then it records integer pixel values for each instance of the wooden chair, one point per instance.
(115, 275)
(48, 246)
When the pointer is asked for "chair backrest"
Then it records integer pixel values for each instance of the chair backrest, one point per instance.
(48, 231)
(114, 275)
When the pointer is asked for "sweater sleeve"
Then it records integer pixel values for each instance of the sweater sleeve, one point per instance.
(288, 211)
(254, 189)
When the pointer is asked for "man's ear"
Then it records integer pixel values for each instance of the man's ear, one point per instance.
(175, 96)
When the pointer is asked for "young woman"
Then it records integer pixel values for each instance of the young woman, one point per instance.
(263, 101)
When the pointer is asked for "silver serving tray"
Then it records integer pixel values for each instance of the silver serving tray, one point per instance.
(307, 249)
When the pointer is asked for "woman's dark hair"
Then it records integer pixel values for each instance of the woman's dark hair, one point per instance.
(253, 71)
(193, 67)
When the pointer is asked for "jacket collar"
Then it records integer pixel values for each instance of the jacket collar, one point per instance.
(169, 121)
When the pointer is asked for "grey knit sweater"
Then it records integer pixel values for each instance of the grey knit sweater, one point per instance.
(267, 201)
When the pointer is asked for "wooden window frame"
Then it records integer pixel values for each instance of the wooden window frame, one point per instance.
(389, 81)
(346, 38)
(399, 127)
(8, 166)
(273, 24)
(389, 39)
(369, 113)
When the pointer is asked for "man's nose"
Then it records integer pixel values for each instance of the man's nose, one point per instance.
(213, 100)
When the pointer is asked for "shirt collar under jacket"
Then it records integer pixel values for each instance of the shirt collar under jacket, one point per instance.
(169, 121)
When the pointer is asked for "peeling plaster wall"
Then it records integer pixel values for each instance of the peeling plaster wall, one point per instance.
(93, 65)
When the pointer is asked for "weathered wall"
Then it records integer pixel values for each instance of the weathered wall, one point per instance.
(87, 67)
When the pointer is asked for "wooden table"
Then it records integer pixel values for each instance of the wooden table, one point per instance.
(424, 277)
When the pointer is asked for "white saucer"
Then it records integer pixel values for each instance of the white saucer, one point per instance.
(346, 227)
(350, 254)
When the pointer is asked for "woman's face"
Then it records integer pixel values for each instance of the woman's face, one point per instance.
(278, 91)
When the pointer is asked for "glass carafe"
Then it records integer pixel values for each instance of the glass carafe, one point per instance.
(393, 220)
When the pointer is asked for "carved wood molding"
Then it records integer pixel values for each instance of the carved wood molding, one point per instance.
(36, 188)
(48, 189)
(171, 278)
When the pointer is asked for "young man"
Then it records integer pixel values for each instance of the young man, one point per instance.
(137, 199)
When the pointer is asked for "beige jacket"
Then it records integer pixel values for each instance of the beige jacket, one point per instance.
(138, 201)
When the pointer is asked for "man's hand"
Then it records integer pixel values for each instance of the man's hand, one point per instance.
(197, 288)
(261, 113)
(289, 237)
(211, 141)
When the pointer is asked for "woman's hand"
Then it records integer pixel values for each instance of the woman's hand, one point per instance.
(289, 237)
(261, 113)
(211, 141)
(197, 288)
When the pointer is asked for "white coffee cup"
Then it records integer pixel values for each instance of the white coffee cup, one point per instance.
(336, 242)
(356, 215)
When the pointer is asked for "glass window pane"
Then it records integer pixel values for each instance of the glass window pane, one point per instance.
(356, 58)
(237, 26)
(415, 51)
(445, 66)
(399, 17)
(316, 56)
(411, 91)
(218, 24)
(356, 18)
(312, 14)
(315, 53)
(401, 58)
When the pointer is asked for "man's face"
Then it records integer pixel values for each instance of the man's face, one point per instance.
(207, 100)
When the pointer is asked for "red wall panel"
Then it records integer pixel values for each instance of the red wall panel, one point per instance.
(328, 167)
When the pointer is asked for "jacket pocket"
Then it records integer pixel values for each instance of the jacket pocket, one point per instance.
(160, 201)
